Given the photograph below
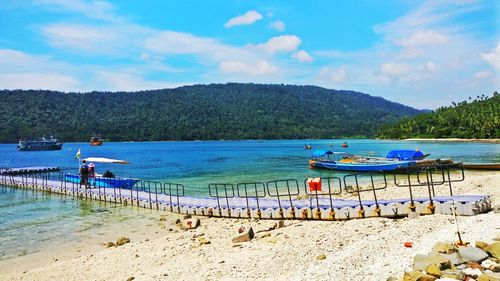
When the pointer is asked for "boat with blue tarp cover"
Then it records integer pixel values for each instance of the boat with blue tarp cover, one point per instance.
(395, 160)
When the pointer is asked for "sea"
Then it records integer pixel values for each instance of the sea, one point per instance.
(30, 221)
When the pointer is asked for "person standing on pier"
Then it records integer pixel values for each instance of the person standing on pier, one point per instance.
(84, 174)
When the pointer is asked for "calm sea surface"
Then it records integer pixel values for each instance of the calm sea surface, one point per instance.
(41, 219)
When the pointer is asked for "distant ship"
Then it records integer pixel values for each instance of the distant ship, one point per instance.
(95, 141)
(40, 144)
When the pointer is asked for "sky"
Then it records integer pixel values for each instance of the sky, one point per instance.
(425, 54)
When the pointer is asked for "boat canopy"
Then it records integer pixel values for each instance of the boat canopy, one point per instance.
(105, 160)
(321, 153)
(405, 154)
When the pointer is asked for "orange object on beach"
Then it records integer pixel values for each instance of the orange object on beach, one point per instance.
(408, 244)
(314, 184)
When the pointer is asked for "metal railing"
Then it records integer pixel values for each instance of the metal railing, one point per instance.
(414, 177)
(371, 188)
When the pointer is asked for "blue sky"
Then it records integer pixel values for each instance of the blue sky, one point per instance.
(421, 53)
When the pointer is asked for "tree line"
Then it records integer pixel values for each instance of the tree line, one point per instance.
(477, 117)
(199, 112)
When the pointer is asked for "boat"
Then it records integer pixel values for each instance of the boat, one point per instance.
(95, 141)
(395, 160)
(344, 144)
(308, 146)
(39, 144)
(482, 166)
(100, 180)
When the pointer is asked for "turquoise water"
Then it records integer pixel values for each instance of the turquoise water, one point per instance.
(29, 220)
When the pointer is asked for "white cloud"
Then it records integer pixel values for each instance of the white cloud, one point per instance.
(174, 43)
(38, 80)
(302, 56)
(19, 70)
(246, 19)
(278, 25)
(483, 74)
(394, 70)
(430, 66)
(259, 68)
(335, 75)
(493, 58)
(424, 38)
(283, 43)
(91, 39)
(126, 81)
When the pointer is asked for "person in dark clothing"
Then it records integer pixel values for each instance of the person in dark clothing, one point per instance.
(84, 174)
(108, 174)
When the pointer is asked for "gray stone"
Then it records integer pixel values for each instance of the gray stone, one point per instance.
(455, 258)
(494, 250)
(492, 276)
(444, 247)
(491, 265)
(454, 274)
(421, 262)
(189, 224)
(122, 241)
(244, 237)
(474, 254)
(481, 245)
(496, 209)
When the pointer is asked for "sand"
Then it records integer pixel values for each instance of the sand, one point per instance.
(364, 249)
(454, 140)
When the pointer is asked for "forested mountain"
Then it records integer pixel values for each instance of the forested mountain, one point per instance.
(478, 118)
(199, 112)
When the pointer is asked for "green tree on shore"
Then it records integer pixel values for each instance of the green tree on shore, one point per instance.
(478, 118)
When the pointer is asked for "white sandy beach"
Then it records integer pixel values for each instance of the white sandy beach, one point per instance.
(454, 140)
(362, 249)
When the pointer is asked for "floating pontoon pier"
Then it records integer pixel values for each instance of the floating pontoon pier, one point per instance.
(27, 170)
(281, 199)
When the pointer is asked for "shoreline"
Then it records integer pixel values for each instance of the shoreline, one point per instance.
(162, 251)
(453, 140)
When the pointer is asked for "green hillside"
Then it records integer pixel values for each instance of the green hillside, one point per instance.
(200, 112)
(479, 118)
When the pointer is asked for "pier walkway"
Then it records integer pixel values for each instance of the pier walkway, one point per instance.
(280, 199)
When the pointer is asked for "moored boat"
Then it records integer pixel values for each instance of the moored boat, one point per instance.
(395, 160)
(102, 181)
(39, 144)
(482, 166)
(95, 141)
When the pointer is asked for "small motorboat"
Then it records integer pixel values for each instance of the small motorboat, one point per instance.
(344, 144)
(308, 146)
(95, 141)
(395, 160)
(102, 180)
